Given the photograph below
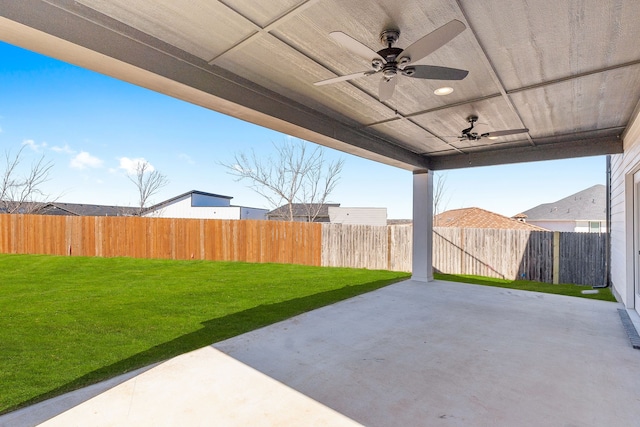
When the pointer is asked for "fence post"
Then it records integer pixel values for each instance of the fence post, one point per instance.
(556, 257)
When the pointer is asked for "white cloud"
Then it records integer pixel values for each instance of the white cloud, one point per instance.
(65, 149)
(186, 158)
(130, 166)
(84, 160)
(33, 145)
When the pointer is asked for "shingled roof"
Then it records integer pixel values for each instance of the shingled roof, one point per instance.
(70, 209)
(480, 218)
(300, 210)
(83, 209)
(589, 204)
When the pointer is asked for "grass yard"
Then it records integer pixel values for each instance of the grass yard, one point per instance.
(66, 322)
(527, 285)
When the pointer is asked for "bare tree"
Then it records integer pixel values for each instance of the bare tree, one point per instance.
(22, 193)
(295, 175)
(148, 181)
(439, 194)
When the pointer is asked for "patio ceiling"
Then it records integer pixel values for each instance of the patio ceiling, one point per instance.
(569, 71)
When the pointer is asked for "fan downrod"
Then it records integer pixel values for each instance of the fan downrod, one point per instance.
(467, 133)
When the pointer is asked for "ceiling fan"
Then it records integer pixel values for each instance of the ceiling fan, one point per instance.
(469, 135)
(392, 61)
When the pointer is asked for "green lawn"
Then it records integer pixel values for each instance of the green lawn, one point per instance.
(527, 285)
(66, 322)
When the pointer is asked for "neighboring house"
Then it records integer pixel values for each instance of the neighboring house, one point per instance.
(480, 218)
(200, 205)
(358, 216)
(585, 211)
(75, 209)
(301, 212)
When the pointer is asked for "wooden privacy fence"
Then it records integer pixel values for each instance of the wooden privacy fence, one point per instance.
(509, 254)
(223, 240)
(504, 254)
(543, 256)
(366, 246)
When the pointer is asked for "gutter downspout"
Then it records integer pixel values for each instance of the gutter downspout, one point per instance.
(607, 260)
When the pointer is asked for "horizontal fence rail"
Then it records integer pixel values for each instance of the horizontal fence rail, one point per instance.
(544, 256)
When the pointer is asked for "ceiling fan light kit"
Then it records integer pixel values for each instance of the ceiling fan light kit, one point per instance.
(441, 91)
(393, 61)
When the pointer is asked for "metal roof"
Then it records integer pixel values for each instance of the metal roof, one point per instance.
(567, 71)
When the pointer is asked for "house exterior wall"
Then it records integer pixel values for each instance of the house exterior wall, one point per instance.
(554, 225)
(208, 212)
(582, 226)
(358, 216)
(623, 166)
(588, 226)
(182, 208)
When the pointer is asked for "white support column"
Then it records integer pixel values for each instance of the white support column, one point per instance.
(422, 259)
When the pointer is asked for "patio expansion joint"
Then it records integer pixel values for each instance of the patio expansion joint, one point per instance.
(629, 328)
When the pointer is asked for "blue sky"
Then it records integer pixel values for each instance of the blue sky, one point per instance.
(91, 127)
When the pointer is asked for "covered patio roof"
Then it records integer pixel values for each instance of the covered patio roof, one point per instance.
(569, 72)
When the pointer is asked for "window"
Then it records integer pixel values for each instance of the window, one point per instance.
(594, 226)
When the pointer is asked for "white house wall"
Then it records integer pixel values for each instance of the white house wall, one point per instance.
(358, 216)
(183, 209)
(554, 225)
(623, 166)
(569, 226)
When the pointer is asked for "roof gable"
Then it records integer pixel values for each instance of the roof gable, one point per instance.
(184, 195)
(480, 218)
(588, 204)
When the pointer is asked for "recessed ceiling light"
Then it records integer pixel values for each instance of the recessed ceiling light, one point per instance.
(443, 91)
(493, 137)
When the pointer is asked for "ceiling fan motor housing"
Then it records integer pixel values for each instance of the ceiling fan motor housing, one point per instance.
(389, 37)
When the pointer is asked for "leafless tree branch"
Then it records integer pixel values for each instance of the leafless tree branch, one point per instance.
(440, 199)
(23, 193)
(148, 182)
(294, 175)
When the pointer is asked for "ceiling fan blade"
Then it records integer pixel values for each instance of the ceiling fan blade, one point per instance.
(386, 88)
(433, 72)
(355, 46)
(433, 41)
(344, 78)
(504, 133)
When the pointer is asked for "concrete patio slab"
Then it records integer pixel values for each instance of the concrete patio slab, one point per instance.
(201, 388)
(449, 354)
(410, 354)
